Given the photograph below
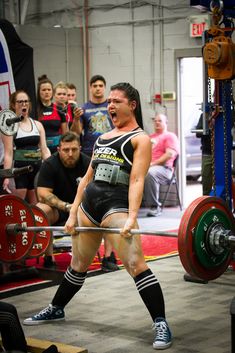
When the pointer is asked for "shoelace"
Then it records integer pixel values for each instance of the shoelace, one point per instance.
(161, 330)
(47, 310)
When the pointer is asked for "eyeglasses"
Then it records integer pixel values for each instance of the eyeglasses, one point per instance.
(23, 101)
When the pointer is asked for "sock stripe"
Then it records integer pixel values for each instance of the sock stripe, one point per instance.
(146, 282)
(147, 285)
(77, 279)
(144, 279)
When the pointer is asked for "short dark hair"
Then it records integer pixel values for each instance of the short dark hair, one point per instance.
(42, 80)
(132, 95)
(69, 136)
(97, 78)
(71, 85)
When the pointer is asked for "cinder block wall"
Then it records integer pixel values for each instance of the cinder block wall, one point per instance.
(131, 41)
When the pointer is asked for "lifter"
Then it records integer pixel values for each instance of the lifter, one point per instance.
(109, 195)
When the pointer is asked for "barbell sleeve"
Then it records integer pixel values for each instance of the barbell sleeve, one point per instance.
(231, 240)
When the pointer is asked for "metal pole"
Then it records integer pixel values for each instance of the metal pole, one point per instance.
(93, 229)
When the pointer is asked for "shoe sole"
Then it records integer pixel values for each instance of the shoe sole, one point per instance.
(154, 215)
(162, 347)
(40, 322)
(108, 270)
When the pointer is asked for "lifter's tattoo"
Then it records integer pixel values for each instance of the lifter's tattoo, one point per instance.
(53, 201)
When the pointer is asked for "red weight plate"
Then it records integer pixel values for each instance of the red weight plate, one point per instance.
(182, 232)
(189, 221)
(42, 239)
(15, 247)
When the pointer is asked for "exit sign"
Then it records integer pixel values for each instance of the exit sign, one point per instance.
(198, 24)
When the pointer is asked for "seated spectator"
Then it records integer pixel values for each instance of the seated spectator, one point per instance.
(165, 147)
(57, 183)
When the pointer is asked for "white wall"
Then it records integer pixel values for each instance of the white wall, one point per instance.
(58, 52)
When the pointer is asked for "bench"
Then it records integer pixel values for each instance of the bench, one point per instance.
(36, 345)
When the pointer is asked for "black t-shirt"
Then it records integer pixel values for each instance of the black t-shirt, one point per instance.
(63, 181)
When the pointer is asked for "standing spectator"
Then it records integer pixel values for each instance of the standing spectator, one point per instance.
(95, 119)
(165, 147)
(68, 108)
(93, 122)
(206, 158)
(5, 159)
(28, 147)
(73, 109)
(57, 183)
(52, 118)
(71, 93)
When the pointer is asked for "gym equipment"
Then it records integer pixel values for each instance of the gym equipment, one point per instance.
(205, 238)
(14, 248)
(13, 172)
(42, 238)
(9, 122)
(36, 345)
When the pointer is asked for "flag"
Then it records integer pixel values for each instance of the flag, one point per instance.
(21, 57)
(7, 85)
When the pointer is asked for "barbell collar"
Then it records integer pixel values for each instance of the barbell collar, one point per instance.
(231, 240)
(17, 228)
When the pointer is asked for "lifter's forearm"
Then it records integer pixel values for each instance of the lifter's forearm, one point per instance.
(135, 198)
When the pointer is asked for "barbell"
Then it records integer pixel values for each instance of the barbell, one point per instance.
(9, 122)
(14, 172)
(206, 237)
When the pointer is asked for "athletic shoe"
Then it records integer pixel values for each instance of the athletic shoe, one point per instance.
(109, 264)
(163, 338)
(155, 212)
(48, 262)
(49, 314)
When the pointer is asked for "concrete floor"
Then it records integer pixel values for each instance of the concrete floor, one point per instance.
(108, 316)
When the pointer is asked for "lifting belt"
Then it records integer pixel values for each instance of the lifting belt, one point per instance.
(111, 174)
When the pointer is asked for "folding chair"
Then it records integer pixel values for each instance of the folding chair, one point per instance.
(173, 181)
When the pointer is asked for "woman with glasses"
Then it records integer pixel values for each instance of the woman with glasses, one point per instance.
(28, 147)
(49, 114)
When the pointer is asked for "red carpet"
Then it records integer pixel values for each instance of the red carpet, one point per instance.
(154, 247)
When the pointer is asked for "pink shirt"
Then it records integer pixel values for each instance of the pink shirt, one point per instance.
(162, 141)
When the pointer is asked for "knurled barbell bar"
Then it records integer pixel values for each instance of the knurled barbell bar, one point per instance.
(205, 237)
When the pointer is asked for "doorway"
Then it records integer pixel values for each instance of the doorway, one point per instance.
(190, 93)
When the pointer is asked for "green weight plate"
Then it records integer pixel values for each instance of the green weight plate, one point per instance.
(190, 254)
(201, 238)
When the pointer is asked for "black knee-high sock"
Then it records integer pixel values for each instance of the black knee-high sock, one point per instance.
(151, 293)
(71, 284)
